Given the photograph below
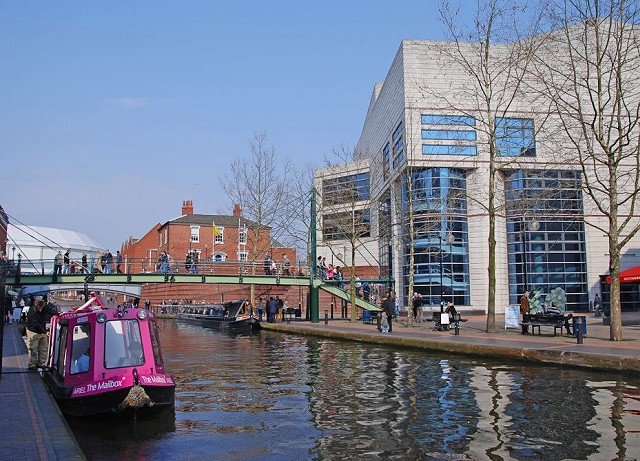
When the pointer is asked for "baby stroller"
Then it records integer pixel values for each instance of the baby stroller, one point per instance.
(443, 322)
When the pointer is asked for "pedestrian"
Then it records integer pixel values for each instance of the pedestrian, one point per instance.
(417, 306)
(267, 264)
(388, 305)
(118, 262)
(57, 263)
(286, 265)
(84, 269)
(524, 311)
(66, 259)
(37, 338)
(260, 309)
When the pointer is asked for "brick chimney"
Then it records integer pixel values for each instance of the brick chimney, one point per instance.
(187, 207)
(237, 212)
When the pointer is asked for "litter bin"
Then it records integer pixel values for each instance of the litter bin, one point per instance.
(583, 326)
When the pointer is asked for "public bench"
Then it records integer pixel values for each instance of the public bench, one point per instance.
(369, 316)
(557, 325)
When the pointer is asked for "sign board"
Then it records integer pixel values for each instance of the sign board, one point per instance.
(512, 317)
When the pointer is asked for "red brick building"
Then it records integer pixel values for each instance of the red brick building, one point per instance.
(220, 244)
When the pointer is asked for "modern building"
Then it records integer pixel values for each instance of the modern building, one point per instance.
(422, 133)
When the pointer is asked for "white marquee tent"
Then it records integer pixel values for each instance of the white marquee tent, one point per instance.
(39, 245)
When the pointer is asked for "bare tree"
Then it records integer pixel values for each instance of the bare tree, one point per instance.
(494, 56)
(589, 68)
(258, 183)
(344, 205)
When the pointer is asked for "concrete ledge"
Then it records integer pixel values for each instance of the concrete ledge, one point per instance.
(489, 347)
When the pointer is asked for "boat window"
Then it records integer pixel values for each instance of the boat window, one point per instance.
(123, 344)
(155, 342)
(59, 348)
(81, 348)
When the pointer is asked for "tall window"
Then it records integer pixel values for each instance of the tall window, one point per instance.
(552, 253)
(195, 234)
(515, 137)
(448, 135)
(386, 161)
(397, 138)
(441, 251)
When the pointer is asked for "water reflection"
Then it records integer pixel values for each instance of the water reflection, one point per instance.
(274, 396)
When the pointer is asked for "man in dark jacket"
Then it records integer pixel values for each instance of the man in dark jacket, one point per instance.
(37, 338)
(388, 305)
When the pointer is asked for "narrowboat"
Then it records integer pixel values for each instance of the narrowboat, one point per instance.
(107, 361)
(234, 316)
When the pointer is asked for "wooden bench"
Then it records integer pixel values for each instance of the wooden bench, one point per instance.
(556, 326)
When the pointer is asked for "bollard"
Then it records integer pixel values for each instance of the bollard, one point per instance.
(579, 337)
(326, 317)
(457, 324)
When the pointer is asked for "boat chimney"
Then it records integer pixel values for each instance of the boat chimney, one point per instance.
(187, 207)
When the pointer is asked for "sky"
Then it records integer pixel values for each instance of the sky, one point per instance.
(115, 112)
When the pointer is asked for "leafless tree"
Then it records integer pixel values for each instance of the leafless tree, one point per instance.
(494, 55)
(345, 214)
(258, 183)
(589, 68)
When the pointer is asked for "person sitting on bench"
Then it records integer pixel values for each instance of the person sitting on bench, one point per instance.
(553, 310)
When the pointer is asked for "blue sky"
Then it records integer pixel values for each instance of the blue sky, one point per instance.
(115, 112)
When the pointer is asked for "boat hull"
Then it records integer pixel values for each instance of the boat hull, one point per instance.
(139, 399)
(236, 326)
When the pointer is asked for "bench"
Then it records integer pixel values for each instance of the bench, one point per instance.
(556, 325)
(369, 317)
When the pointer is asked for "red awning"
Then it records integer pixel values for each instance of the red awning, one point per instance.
(628, 276)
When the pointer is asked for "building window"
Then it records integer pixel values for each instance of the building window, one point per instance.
(448, 135)
(242, 236)
(219, 237)
(243, 256)
(386, 161)
(440, 243)
(515, 137)
(346, 189)
(553, 253)
(195, 234)
(354, 224)
(448, 149)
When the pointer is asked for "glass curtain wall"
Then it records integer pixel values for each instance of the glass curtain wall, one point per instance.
(545, 236)
(441, 256)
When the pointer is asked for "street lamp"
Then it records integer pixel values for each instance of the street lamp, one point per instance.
(450, 239)
(13, 253)
(531, 226)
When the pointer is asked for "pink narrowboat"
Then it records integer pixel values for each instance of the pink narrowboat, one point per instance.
(105, 361)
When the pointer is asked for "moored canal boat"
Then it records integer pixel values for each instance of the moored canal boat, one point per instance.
(233, 316)
(106, 361)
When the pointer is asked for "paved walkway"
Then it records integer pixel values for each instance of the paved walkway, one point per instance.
(32, 426)
(597, 351)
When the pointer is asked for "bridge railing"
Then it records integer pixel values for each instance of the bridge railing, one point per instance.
(174, 266)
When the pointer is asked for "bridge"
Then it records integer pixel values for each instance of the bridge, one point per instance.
(130, 284)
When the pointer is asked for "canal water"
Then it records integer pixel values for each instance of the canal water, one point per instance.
(276, 396)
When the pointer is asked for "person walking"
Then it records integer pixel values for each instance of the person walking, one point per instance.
(525, 309)
(388, 305)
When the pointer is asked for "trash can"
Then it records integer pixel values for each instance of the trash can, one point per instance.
(366, 316)
(583, 326)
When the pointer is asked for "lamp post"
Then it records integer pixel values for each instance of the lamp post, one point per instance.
(531, 226)
(13, 253)
(450, 238)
